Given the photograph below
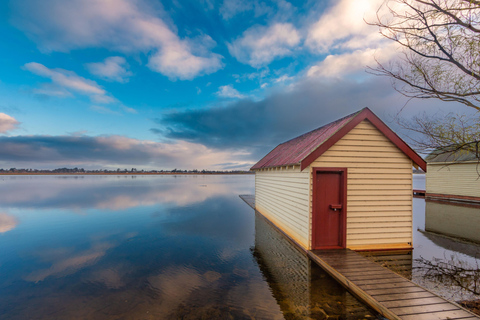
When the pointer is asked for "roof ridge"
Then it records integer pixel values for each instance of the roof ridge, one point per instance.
(327, 124)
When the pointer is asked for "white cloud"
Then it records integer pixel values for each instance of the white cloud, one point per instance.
(343, 26)
(7, 123)
(176, 60)
(229, 92)
(351, 63)
(129, 26)
(111, 69)
(69, 80)
(261, 45)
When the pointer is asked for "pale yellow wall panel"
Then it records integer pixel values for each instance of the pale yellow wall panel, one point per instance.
(360, 210)
(380, 227)
(273, 184)
(282, 195)
(384, 218)
(301, 189)
(363, 148)
(353, 155)
(288, 223)
(379, 192)
(388, 165)
(287, 201)
(379, 235)
(374, 198)
(362, 242)
(456, 179)
(395, 186)
(363, 158)
(291, 196)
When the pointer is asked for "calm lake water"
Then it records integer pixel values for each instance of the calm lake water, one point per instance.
(152, 247)
(437, 228)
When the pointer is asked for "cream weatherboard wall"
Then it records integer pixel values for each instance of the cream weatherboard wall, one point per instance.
(460, 178)
(379, 192)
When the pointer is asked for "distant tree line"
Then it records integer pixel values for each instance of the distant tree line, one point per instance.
(120, 171)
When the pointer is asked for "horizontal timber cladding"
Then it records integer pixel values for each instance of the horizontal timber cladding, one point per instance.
(379, 187)
(453, 179)
(282, 195)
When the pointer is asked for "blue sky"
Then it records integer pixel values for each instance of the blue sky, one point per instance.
(182, 84)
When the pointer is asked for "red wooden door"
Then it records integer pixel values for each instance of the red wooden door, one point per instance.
(329, 210)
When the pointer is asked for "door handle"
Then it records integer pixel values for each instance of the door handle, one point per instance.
(336, 207)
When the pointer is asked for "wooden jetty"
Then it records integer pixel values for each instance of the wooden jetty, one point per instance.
(389, 294)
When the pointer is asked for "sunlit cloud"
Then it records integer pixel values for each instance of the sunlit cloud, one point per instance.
(7, 222)
(261, 45)
(351, 63)
(111, 69)
(127, 26)
(7, 123)
(343, 26)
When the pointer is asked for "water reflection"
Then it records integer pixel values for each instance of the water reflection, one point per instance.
(455, 220)
(7, 222)
(179, 249)
(302, 289)
(435, 247)
(113, 192)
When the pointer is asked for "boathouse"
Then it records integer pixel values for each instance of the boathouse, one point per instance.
(347, 184)
(453, 176)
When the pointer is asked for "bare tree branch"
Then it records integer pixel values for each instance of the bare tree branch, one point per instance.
(440, 40)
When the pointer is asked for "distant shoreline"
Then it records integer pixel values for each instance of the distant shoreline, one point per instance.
(116, 173)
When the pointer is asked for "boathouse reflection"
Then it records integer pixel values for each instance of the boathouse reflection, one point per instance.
(458, 220)
(302, 289)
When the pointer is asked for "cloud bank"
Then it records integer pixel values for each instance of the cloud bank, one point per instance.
(258, 126)
(111, 152)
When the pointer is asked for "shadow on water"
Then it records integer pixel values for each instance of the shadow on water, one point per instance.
(302, 289)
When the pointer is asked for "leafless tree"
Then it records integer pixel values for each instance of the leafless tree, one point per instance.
(458, 135)
(440, 42)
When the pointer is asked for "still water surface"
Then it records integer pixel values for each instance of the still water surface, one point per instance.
(445, 233)
(152, 247)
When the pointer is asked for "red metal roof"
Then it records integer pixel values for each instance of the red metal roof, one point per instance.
(304, 149)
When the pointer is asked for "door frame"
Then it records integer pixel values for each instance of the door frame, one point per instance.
(343, 195)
